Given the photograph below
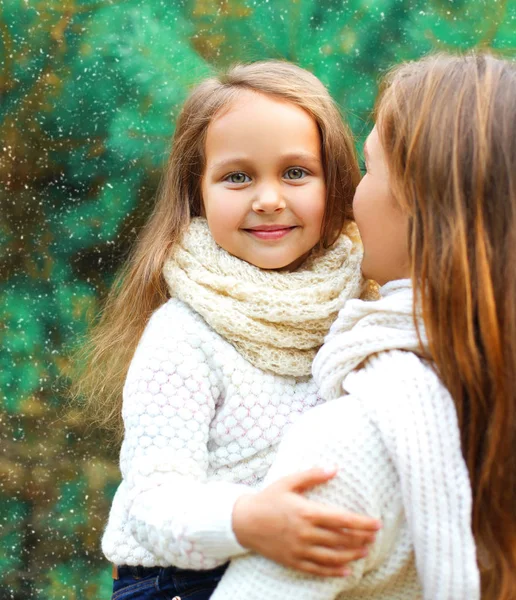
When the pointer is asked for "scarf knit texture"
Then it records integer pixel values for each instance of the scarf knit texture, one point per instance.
(277, 320)
(392, 431)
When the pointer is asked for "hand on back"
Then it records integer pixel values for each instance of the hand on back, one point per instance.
(286, 527)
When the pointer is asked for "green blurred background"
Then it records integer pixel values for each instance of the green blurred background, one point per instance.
(89, 94)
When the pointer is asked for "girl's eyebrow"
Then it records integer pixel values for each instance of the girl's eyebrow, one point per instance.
(302, 156)
(242, 160)
(232, 160)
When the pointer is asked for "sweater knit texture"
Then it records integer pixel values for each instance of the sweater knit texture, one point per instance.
(395, 439)
(277, 320)
(202, 422)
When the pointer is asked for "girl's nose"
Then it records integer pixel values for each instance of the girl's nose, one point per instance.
(269, 200)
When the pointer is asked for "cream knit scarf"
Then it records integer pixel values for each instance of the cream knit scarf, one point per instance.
(277, 320)
(366, 328)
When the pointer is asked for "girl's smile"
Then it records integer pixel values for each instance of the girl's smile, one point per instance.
(270, 232)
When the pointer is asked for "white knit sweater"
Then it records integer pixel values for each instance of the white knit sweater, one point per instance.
(201, 425)
(395, 439)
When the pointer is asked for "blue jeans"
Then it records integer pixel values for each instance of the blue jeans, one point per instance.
(165, 583)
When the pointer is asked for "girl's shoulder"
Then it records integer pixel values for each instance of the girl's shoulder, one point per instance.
(395, 374)
(389, 390)
(402, 393)
(175, 315)
(177, 340)
(176, 326)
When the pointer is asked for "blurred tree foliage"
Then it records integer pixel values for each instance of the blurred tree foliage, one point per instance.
(90, 91)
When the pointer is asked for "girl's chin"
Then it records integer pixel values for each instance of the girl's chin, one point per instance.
(277, 264)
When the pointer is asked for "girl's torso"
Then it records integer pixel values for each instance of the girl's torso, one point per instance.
(194, 406)
(251, 408)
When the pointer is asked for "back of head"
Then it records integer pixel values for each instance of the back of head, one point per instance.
(140, 287)
(448, 128)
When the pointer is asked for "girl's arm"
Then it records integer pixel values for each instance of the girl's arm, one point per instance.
(169, 402)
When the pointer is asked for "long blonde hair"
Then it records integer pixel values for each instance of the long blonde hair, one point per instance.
(448, 127)
(139, 288)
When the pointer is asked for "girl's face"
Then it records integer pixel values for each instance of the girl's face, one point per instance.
(263, 188)
(382, 224)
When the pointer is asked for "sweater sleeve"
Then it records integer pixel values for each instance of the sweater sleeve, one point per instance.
(418, 423)
(170, 398)
(332, 434)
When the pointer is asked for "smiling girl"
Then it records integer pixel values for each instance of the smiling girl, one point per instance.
(213, 324)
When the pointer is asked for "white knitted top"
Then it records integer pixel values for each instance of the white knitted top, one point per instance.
(395, 439)
(200, 421)
(205, 405)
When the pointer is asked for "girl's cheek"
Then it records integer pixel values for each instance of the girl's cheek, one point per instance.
(316, 195)
(363, 213)
(357, 204)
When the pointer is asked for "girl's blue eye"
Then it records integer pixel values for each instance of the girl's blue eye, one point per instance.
(238, 178)
(295, 173)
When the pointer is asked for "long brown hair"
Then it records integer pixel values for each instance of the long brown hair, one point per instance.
(448, 127)
(139, 288)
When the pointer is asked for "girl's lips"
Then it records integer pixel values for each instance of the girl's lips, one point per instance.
(267, 233)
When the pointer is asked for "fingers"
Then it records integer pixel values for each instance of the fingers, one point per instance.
(311, 568)
(326, 516)
(340, 539)
(331, 518)
(330, 558)
(300, 482)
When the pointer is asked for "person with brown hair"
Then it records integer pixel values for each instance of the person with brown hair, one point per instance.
(424, 428)
(213, 325)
